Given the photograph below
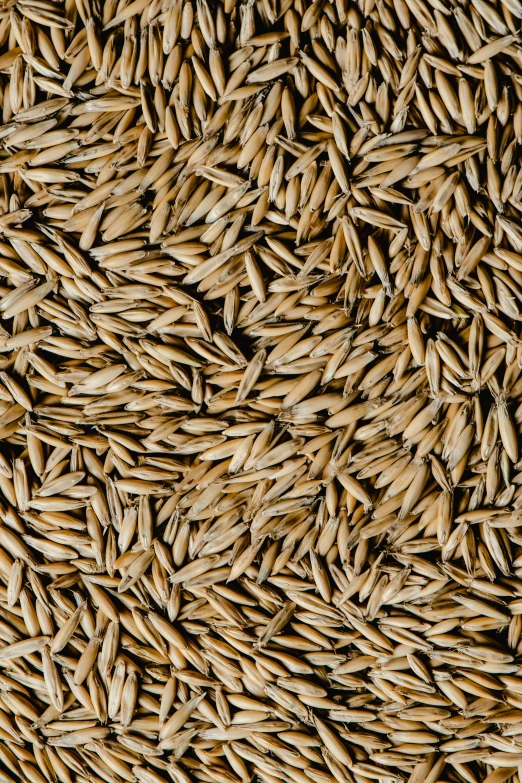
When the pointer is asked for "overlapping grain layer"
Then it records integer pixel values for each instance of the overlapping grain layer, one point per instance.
(260, 391)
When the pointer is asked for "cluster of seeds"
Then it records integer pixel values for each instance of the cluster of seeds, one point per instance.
(260, 391)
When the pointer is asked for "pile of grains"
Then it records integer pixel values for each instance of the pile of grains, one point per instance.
(260, 391)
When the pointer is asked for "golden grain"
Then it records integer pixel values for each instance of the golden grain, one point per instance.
(260, 393)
